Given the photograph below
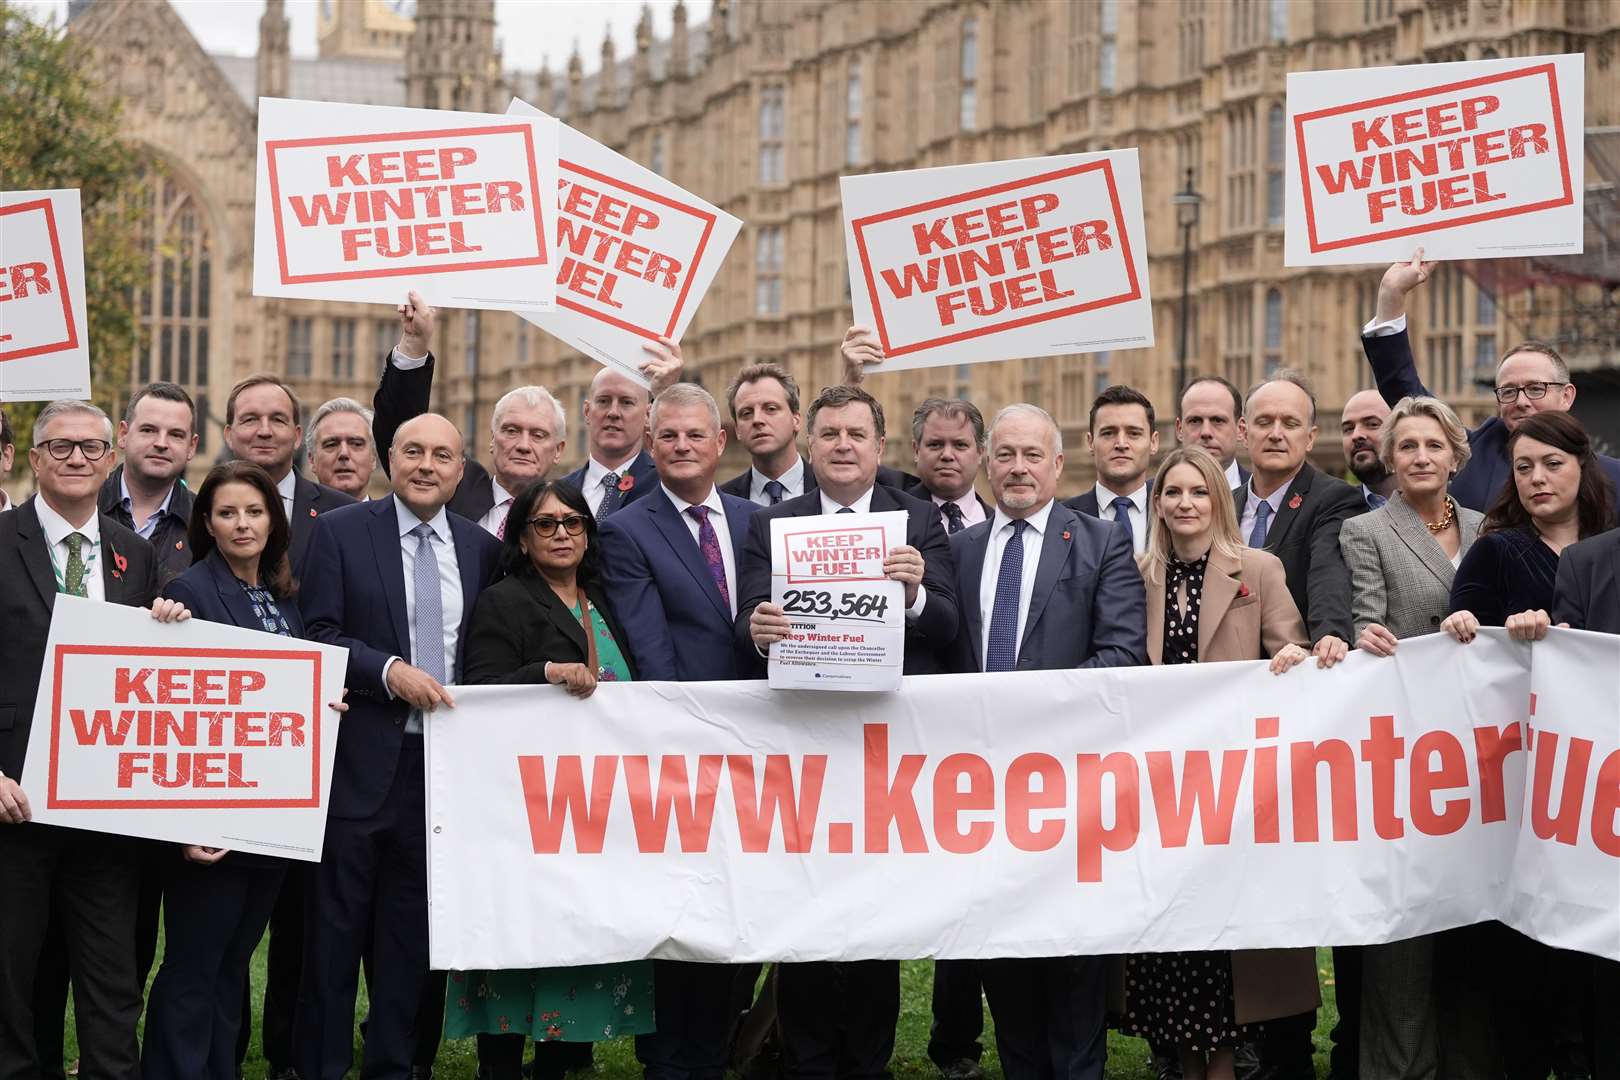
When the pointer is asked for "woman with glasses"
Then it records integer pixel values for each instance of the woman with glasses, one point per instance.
(547, 621)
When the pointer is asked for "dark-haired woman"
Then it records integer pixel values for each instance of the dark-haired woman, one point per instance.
(547, 621)
(217, 903)
(1559, 495)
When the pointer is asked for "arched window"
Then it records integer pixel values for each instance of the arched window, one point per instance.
(1276, 133)
(175, 305)
(970, 74)
(1274, 331)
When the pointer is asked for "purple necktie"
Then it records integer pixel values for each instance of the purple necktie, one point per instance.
(710, 543)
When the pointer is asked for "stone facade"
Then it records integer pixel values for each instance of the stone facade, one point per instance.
(764, 106)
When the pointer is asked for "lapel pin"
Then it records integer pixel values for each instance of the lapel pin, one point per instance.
(1293, 504)
(312, 509)
(179, 545)
(1065, 534)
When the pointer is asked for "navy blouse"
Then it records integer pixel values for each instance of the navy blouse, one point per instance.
(1504, 573)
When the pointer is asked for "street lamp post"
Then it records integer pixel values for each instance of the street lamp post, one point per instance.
(1187, 203)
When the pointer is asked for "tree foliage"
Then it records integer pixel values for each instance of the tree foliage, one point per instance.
(58, 130)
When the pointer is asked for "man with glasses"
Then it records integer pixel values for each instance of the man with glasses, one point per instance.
(1531, 378)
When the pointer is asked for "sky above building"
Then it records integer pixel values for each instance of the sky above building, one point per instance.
(529, 30)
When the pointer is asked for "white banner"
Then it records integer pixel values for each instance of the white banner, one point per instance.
(193, 732)
(362, 202)
(44, 338)
(1468, 160)
(1032, 813)
(636, 253)
(969, 263)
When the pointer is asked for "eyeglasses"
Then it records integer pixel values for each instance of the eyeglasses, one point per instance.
(62, 449)
(573, 524)
(1535, 391)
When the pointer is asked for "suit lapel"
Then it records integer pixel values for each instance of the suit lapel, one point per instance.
(1292, 507)
(559, 615)
(974, 550)
(391, 566)
(1222, 582)
(230, 593)
(1055, 546)
(461, 535)
(35, 555)
(669, 523)
(1416, 536)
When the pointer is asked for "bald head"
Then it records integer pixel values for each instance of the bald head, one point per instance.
(1361, 425)
(615, 417)
(425, 463)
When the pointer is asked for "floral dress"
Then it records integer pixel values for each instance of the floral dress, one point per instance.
(1182, 998)
(577, 1004)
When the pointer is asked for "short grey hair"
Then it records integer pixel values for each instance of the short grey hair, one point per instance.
(1436, 410)
(687, 394)
(533, 397)
(338, 405)
(1024, 408)
(1287, 375)
(67, 407)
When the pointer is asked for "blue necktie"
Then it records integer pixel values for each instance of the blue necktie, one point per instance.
(1122, 514)
(612, 497)
(845, 510)
(1374, 499)
(953, 517)
(1262, 518)
(428, 618)
(1002, 652)
(774, 491)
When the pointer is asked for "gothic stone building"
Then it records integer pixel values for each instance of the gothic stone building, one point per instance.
(763, 107)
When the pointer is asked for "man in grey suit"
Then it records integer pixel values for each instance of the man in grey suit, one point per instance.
(1044, 587)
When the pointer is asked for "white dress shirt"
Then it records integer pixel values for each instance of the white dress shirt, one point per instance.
(57, 530)
(287, 486)
(450, 599)
(145, 529)
(1234, 478)
(594, 473)
(722, 533)
(491, 522)
(791, 480)
(1001, 531)
(5, 501)
(1374, 328)
(972, 509)
(1246, 524)
(1137, 513)
(863, 505)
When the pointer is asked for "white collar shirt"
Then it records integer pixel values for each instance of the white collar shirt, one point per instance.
(443, 544)
(1234, 476)
(972, 509)
(145, 529)
(1137, 513)
(288, 488)
(792, 481)
(1001, 531)
(595, 472)
(722, 534)
(57, 530)
(1253, 501)
(494, 521)
(863, 505)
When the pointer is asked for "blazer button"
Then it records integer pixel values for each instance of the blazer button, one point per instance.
(1434, 620)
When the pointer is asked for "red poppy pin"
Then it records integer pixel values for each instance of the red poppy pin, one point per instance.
(179, 545)
(1243, 590)
(120, 564)
(626, 482)
(1293, 504)
(312, 510)
(1065, 534)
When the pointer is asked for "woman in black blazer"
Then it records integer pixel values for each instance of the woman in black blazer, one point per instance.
(216, 904)
(547, 621)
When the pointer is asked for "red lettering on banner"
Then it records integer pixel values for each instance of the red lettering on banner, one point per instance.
(212, 769)
(1452, 773)
(950, 802)
(30, 278)
(1304, 761)
(1022, 800)
(1175, 810)
(1565, 826)
(1491, 748)
(693, 813)
(775, 799)
(890, 802)
(1382, 749)
(1267, 826)
(1090, 833)
(569, 805)
(1606, 807)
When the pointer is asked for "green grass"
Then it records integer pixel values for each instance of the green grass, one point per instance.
(616, 1060)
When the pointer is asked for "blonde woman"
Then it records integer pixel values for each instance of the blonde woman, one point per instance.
(1416, 1021)
(1210, 598)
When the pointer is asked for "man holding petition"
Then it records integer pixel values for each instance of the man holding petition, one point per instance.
(394, 582)
(1531, 378)
(838, 1019)
(58, 542)
(1044, 587)
(669, 561)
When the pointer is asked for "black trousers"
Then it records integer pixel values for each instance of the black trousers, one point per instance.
(838, 1019)
(696, 1007)
(283, 967)
(1050, 1015)
(958, 1013)
(1286, 1049)
(500, 1057)
(1606, 1006)
(368, 891)
(213, 918)
(1344, 1062)
(91, 883)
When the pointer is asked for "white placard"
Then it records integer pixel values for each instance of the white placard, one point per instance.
(849, 620)
(193, 732)
(636, 253)
(364, 202)
(44, 338)
(1482, 159)
(971, 263)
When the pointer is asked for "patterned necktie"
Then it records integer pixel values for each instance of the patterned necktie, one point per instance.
(953, 517)
(1375, 500)
(1122, 514)
(73, 582)
(612, 497)
(500, 529)
(428, 618)
(774, 491)
(1002, 653)
(710, 544)
(1262, 518)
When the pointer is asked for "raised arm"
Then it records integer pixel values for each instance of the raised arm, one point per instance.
(1386, 341)
(406, 386)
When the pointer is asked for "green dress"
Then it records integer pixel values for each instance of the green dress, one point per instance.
(577, 1004)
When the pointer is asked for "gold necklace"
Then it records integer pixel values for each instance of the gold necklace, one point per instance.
(1438, 527)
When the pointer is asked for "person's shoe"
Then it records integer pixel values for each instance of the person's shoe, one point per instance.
(962, 1069)
(421, 1072)
(1246, 1062)
(1166, 1066)
(280, 1073)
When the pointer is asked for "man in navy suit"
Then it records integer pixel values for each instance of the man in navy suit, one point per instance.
(669, 564)
(1530, 378)
(838, 1019)
(1122, 437)
(1043, 587)
(619, 470)
(393, 581)
(1211, 416)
